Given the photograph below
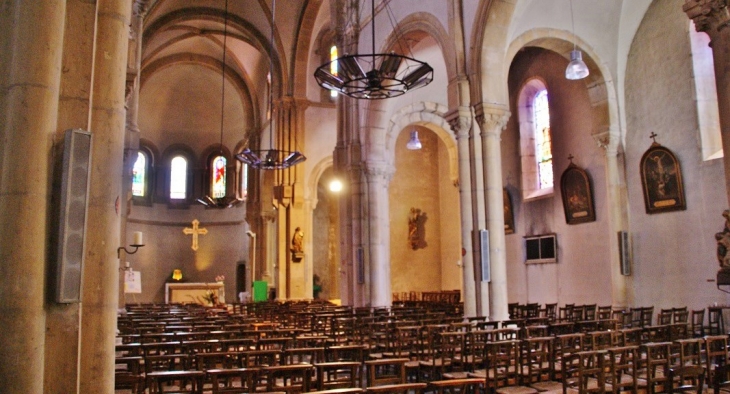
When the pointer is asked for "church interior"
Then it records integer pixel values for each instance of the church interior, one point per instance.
(261, 150)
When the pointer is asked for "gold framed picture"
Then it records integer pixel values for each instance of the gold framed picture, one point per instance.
(661, 180)
(575, 188)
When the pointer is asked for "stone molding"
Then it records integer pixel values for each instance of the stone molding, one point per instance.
(460, 121)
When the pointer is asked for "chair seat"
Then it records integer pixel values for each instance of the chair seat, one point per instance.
(462, 375)
(516, 390)
(548, 386)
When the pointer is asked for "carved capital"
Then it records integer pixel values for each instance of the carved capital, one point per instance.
(709, 16)
(607, 140)
(492, 118)
(140, 8)
(460, 121)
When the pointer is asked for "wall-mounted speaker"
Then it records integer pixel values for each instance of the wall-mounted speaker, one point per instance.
(72, 209)
(484, 248)
(624, 249)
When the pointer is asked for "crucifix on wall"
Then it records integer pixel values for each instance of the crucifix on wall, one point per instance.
(195, 231)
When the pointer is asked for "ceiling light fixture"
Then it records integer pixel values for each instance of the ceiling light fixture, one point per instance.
(272, 158)
(414, 143)
(223, 201)
(577, 68)
(384, 80)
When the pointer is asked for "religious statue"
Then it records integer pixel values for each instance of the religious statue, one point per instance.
(723, 242)
(413, 218)
(297, 241)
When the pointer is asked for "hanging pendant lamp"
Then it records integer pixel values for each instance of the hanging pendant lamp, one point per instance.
(389, 74)
(272, 158)
(577, 68)
(414, 143)
(224, 201)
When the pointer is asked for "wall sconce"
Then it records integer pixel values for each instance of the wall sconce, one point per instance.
(136, 244)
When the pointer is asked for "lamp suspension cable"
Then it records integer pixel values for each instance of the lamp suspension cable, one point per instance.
(272, 158)
(577, 68)
(209, 200)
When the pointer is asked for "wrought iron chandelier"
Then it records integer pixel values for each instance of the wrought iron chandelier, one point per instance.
(224, 201)
(272, 158)
(389, 75)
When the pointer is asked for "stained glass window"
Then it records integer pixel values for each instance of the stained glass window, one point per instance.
(244, 182)
(178, 178)
(218, 177)
(333, 66)
(139, 175)
(543, 145)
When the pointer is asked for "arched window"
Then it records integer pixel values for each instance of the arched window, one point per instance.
(218, 177)
(139, 175)
(708, 115)
(243, 185)
(333, 67)
(535, 140)
(543, 142)
(178, 178)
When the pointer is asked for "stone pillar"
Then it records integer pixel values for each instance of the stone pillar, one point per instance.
(63, 330)
(492, 120)
(31, 45)
(460, 121)
(713, 18)
(378, 219)
(617, 219)
(101, 267)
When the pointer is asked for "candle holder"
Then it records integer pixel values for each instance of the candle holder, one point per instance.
(124, 248)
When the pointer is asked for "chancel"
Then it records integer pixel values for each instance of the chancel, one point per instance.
(118, 116)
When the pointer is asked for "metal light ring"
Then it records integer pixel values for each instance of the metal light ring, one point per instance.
(269, 159)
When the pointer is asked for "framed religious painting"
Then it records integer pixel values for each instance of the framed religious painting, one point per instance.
(661, 180)
(509, 216)
(575, 188)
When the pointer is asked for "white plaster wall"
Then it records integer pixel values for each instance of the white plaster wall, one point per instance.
(674, 252)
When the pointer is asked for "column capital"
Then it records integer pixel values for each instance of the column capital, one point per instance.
(607, 140)
(709, 16)
(492, 118)
(140, 8)
(460, 120)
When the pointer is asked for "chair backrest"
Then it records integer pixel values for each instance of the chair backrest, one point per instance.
(583, 367)
(721, 380)
(698, 323)
(686, 378)
(386, 371)
(457, 386)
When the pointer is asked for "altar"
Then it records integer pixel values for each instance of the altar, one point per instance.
(193, 292)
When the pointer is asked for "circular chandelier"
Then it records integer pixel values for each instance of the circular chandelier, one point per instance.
(388, 74)
(271, 159)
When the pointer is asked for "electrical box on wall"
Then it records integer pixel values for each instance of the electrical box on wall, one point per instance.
(624, 250)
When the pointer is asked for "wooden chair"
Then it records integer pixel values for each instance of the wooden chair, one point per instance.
(622, 368)
(604, 312)
(339, 391)
(716, 354)
(698, 323)
(338, 374)
(688, 379)
(690, 351)
(681, 315)
(721, 381)
(288, 378)
(457, 386)
(665, 317)
(385, 371)
(309, 355)
(715, 322)
(403, 388)
(585, 372)
(566, 345)
(233, 380)
(536, 367)
(175, 382)
(656, 359)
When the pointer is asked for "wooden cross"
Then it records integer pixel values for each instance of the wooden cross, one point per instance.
(571, 157)
(195, 231)
(653, 136)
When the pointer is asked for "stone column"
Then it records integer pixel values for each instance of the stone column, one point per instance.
(31, 42)
(617, 219)
(378, 219)
(713, 18)
(101, 267)
(460, 121)
(492, 120)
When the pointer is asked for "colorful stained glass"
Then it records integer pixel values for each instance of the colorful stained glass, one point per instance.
(218, 177)
(333, 66)
(543, 140)
(178, 178)
(244, 181)
(139, 175)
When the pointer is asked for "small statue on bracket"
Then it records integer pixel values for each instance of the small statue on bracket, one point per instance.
(416, 220)
(297, 245)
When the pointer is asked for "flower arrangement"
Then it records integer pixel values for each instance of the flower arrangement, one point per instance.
(220, 278)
